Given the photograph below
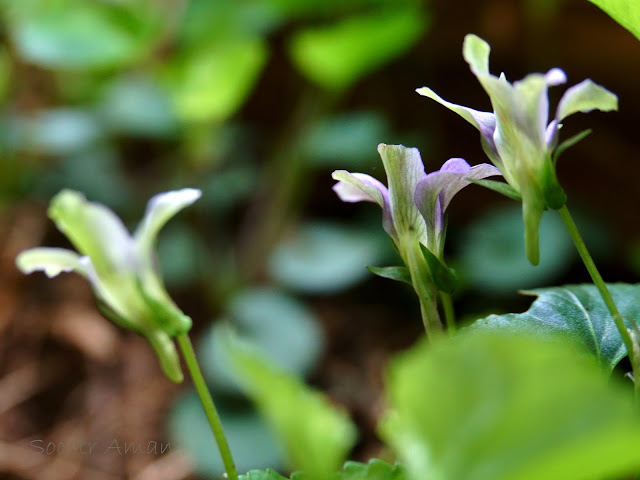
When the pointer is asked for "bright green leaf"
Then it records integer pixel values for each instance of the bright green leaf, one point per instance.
(485, 406)
(576, 311)
(498, 187)
(317, 435)
(262, 475)
(337, 56)
(625, 12)
(373, 470)
(213, 81)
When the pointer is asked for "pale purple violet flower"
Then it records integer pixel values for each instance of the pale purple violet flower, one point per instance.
(516, 136)
(414, 204)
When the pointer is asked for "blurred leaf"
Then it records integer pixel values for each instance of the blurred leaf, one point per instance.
(625, 12)
(337, 56)
(77, 35)
(225, 188)
(346, 140)
(5, 73)
(136, 106)
(323, 258)
(317, 435)
(492, 407)
(492, 256)
(575, 311)
(179, 255)
(280, 326)
(262, 475)
(61, 131)
(249, 437)
(95, 172)
(214, 80)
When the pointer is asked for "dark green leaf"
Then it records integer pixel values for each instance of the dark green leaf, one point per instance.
(267, 474)
(500, 187)
(486, 406)
(400, 274)
(576, 311)
(444, 277)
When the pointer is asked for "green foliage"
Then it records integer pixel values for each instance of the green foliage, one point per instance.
(575, 311)
(212, 81)
(625, 12)
(373, 470)
(250, 438)
(71, 34)
(323, 258)
(337, 56)
(278, 325)
(444, 277)
(492, 257)
(317, 435)
(507, 407)
(346, 140)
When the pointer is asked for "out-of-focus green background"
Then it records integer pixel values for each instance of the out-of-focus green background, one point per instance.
(256, 103)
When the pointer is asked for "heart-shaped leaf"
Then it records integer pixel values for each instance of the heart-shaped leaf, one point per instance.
(490, 406)
(579, 312)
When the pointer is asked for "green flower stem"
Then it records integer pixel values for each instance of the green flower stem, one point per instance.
(449, 314)
(605, 294)
(207, 403)
(424, 288)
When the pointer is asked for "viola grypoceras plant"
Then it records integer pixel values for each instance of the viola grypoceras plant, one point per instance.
(129, 290)
(413, 212)
(516, 136)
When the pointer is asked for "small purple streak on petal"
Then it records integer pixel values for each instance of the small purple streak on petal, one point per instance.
(554, 77)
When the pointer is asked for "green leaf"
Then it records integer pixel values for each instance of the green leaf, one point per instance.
(250, 438)
(576, 311)
(500, 187)
(324, 258)
(212, 82)
(317, 435)
(373, 470)
(400, 274)
(486, 406)
(345, 140)
(280, 326)
(444, 277)
(568, 143)
(267, 474)
(136, 106)
(337, 56)
(74, 35)
(625, 12)
(492, 252)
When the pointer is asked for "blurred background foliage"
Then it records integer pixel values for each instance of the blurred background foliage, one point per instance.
(256, 102)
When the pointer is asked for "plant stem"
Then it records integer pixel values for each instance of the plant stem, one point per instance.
(604, 293)
(424, 288)
(449, 314)
(207, 404)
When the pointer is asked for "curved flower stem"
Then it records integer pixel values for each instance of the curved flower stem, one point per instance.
(605, 294)
(449, 314)
(424, 288)
(207, 404)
